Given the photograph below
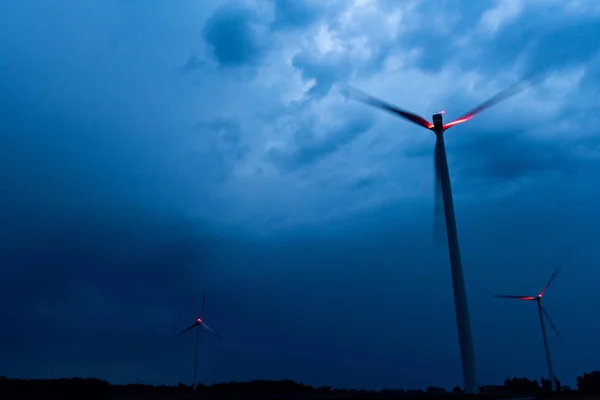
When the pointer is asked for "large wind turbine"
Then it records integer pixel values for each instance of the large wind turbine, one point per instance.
(198, 324)
(443, 180)
(542, 313)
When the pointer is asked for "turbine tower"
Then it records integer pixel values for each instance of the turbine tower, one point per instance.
(442, 177)
(198, 324)
(542, 313)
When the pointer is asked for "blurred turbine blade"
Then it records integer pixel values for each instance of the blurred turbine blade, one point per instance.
(365, 98)
(509, 296)
(519, 86)
(203, 302)
(209, 329)
(438, 205)
(550, 280)
(550, 321)
(188, 328)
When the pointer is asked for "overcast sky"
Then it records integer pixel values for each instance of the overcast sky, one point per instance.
(152, 150)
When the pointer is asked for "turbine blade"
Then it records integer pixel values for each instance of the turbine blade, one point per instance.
(510, 296)
(550, 280)
(209, 329)
(550, 321)
(365, 98)
(519, 86)
(195, 324)
(203, 301)
(438, 205)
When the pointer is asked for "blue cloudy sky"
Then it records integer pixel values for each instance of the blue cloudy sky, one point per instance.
(152, 150)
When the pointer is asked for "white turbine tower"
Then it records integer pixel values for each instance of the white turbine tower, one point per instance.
(442, 186)
(198, 324)
(542, 313)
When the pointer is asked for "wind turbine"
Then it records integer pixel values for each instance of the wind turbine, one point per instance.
(198, 324)
(442, 177)
(542, 313)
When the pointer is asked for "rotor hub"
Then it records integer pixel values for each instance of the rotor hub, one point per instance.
(438, 122)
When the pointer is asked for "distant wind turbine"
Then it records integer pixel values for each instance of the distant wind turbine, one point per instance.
(542, 313)
(442, 177)
(198, 324)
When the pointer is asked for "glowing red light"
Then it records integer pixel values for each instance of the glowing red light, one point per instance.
(199, 320)
(441, 112)
(456, 122)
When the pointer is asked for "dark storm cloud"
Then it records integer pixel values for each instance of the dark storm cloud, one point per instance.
(543, 47)
(224, 148)
(325, 70)
(234, 33)
(309, 146)
(241, 35)
(365, 181)
(434, 36)
(290, 14)
(98, 251)
(192, 64)
(544, 42)
(112, 254)
(119, 209)
(87, 287)
(90, 252)
(505, 156)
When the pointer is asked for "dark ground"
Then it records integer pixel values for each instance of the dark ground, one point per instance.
(95, 389)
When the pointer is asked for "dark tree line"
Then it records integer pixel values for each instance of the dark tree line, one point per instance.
(589, 383)
(73, 388)
(95, 389)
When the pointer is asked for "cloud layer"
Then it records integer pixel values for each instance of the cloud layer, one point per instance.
(150, 153)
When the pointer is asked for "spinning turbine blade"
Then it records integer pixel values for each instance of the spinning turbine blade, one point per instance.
(203, 302)
(512, 90)
(209, 329)
(195, 324)
(550, 280)
(365, 98)
(442, 184)
(550, 321)
(509, 296)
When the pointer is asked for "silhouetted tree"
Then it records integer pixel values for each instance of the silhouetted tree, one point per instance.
(589, 383)
(95, 389)
(545, 384)
(546, 387)
(435, 390)
(323, 390)
(391, 392)
(73, 388)
(522, 385)
(183, 388)
(492, 389)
